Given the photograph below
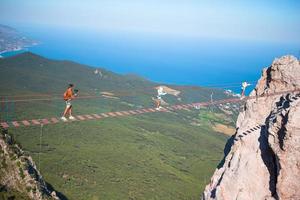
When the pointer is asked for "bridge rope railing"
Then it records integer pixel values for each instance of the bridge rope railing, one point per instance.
(8, 98)
(55, 120)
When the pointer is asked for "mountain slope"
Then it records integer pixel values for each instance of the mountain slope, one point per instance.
(262, 158)
(151, 156)
(28, 72)
(42, 75)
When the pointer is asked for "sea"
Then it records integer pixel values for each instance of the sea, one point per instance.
(168, 59)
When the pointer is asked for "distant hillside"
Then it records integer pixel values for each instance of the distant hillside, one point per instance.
(11, 39)
(36, 74)
(28, 73)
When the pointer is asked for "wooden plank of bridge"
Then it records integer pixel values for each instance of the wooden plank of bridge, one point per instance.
(89, 116)
(139, 111)
(125, 112)
(35, 122)
(80, 117)
(119, 113)
(97, 116)
(112, 114)
(104, 115)
(45, 121)
(54, 120)
(26, 123)
(152, 110)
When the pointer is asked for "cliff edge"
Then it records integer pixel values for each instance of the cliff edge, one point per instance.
(19, 177)
(262, 160)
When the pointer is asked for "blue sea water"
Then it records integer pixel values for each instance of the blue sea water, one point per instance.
(13, 53)
(168, 59)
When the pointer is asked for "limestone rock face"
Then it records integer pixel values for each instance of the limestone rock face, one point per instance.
(284, 140)
(19, 174)
(262, 160)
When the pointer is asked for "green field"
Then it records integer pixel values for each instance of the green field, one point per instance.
(149, 156)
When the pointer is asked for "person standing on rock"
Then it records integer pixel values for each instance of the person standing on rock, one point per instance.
(244, 86)
(68, 96)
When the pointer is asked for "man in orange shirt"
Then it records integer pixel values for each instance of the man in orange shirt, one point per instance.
(68, 96)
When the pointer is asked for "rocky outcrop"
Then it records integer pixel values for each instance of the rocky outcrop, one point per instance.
(283, 129)
(19, 177)
(262, 159)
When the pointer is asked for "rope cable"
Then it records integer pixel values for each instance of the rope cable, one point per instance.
(40, 150)
(51, 97)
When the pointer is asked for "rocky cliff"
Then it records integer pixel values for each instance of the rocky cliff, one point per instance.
(262, 160)
(19, 177)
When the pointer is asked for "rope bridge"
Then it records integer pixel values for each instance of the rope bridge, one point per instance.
(55, 120)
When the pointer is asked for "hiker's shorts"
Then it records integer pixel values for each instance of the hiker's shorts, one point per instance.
(68, 103)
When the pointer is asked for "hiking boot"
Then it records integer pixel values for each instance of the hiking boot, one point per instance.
(72, 118)
(64, 118)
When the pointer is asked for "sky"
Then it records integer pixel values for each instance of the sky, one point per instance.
(270, 21)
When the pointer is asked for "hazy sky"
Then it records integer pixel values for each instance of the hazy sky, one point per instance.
(274, 20)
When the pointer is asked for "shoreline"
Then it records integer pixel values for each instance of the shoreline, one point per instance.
(16, 50)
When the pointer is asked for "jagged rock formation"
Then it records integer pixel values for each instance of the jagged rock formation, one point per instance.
(19, 177)
(262, 160)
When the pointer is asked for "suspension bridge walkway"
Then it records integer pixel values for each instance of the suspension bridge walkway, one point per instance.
(99, 116)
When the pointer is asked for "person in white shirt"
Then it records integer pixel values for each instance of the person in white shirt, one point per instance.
(160, 92)
(244, 86)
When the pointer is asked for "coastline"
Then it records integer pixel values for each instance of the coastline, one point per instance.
(11, 52)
